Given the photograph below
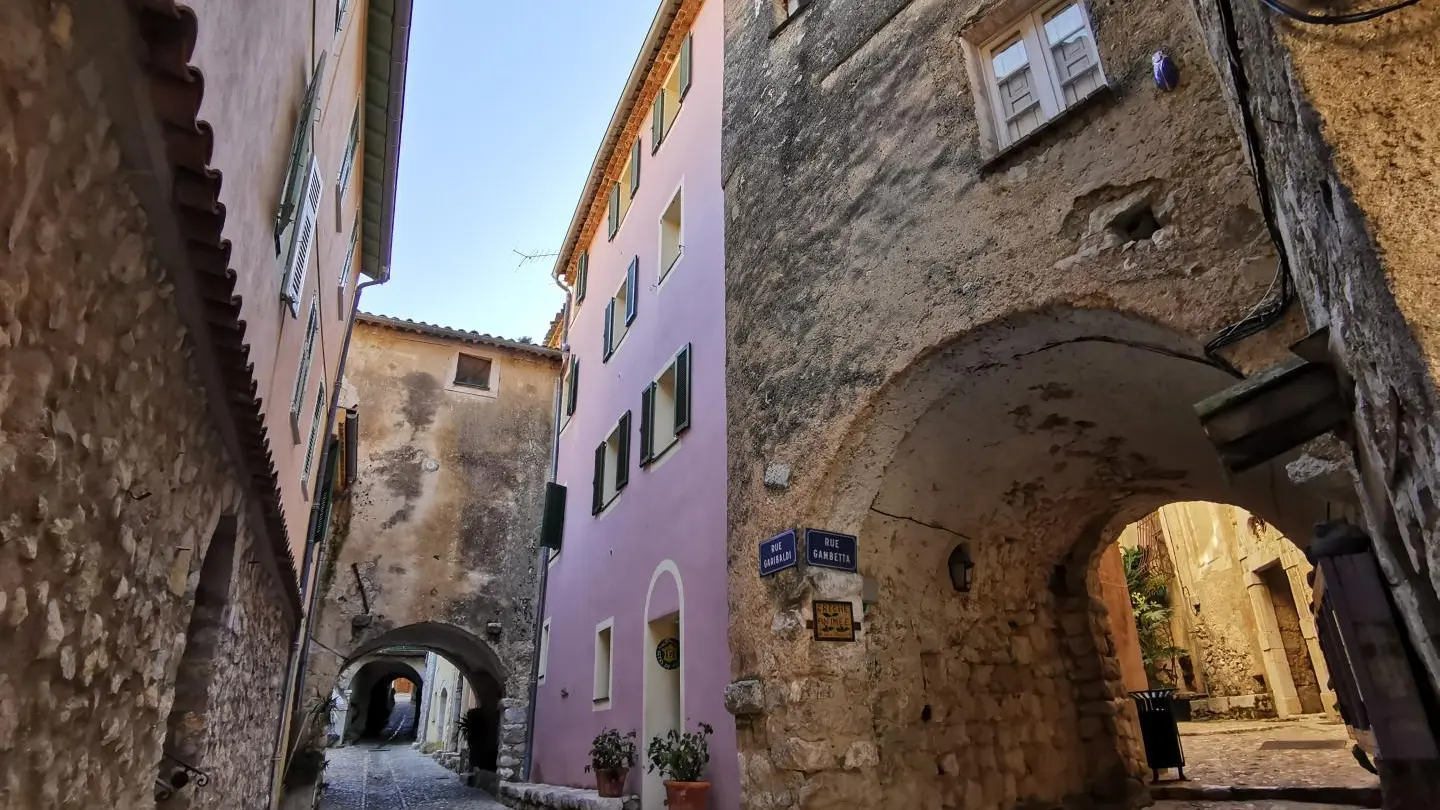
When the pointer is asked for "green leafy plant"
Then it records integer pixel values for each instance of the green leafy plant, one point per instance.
(681, 757)
(611, 751)
(1150, 600)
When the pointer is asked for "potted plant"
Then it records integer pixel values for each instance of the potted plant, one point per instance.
(681, 757)
(611, 755)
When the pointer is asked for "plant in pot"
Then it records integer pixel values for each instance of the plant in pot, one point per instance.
(611, 755)
(681, 757)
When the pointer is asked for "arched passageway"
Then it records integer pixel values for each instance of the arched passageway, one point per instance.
(377, 710)
(1028, 445)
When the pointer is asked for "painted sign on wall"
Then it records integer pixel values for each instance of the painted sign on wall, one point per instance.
(831, 550)
(778, 553)
(667, 653)
(834, 621)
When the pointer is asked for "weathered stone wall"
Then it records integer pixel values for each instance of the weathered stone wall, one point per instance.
(114, 476)
(443, 520)
(1350, 156)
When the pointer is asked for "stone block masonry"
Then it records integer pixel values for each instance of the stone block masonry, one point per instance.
(114, 476)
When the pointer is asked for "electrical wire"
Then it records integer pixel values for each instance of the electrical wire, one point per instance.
(1335, 19)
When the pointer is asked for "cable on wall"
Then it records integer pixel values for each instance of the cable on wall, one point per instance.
(1335, 19)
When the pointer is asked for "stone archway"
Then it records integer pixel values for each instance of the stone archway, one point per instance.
(1032, 441)
(370, 704)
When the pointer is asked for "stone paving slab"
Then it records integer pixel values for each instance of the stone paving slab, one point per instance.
(370, 777)
(1233, 753)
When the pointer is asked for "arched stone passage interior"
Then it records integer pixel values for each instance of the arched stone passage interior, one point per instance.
(375, 711)
(484, 681)
(1031, 443)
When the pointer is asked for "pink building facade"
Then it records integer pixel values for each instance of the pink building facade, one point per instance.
(641, 448)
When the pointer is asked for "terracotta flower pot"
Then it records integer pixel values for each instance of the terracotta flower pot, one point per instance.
(687, 795)
(610, 782)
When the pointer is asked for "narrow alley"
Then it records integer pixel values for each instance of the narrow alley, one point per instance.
(395, 777)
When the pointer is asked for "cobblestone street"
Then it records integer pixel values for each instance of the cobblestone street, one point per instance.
(1265, 805)
(1309, 752)
(367, 777)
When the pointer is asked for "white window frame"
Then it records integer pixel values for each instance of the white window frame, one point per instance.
(343, 288)
(1045, 76)
(544, 661)
(663, 267)
(302, 375)
(314, 434)
(605, 667)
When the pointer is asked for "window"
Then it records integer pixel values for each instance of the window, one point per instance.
(570, 390)
(582, 275)
(340, 7)
(1038, 67)
(307, 355)
(314, 432)
(472, 372)
(304, 242)
(604, 663)
(623, 192)
(612, 466)
(347, 272)
(670, 235)
(347, 164)
(785, 9)
(544, 651)
(300, 194)
(672, 93)
(621, 310)
(665, 408)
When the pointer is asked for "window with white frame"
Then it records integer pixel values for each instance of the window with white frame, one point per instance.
(623, 191)
(347, 166)
(621, 310)
(1037, 67)
(672, 93)
(544, 651)
(665, 408)
(612, 466)
(343, 288)
(307, 356)
(314, 433)
(604, 663)
(570, 389)
(671, 234)
(582, 275)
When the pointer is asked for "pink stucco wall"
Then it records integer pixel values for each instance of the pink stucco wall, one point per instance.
(675, 509)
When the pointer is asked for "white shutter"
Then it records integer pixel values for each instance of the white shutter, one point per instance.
(304, 243)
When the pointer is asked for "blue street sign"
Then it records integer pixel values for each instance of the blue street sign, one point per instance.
(778, 553)
(831, 550)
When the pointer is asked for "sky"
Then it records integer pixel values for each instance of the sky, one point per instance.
(505, 105)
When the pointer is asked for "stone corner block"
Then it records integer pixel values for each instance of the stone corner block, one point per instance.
(745, 697)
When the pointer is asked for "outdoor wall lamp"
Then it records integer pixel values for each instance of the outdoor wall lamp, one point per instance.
(962, 569)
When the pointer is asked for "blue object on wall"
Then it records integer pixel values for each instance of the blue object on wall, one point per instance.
(1167, 75)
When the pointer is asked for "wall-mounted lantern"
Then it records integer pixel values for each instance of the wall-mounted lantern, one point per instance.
(962, 569)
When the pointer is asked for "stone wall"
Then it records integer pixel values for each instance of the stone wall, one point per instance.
(115, 477)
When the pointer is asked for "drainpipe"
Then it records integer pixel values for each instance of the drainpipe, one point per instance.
(543, 561)
(314, 552)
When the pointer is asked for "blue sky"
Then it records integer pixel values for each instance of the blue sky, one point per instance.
(505, 105)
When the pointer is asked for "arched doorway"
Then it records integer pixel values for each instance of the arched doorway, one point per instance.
(379, 711)
(663, 679)
(1030, 442)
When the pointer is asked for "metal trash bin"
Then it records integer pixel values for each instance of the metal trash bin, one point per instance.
(1160, 730)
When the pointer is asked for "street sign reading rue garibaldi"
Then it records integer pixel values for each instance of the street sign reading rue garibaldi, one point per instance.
(831, 550)
(778, 553)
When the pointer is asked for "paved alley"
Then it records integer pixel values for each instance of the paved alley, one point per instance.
(370, 777)
(1309, 752)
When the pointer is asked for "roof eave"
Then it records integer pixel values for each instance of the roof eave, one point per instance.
(387, 52)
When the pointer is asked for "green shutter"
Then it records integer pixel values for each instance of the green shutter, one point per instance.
(609, 321)
(682, 390)
(597, 497)
(574, 385)
(582, 275)
(300, 149)
(552, 523)
(647, 424)
(614, 209)
(634, 168)
(632, 292)
(657, 122)
(686, 63)
(622, 458)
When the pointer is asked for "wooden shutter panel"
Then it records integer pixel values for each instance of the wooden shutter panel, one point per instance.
(582, 275)
(647, 424)
(614, 209)
(552, 525)
(686, 64)
(622, 458)
(300, 149)
(632, 285)
(609, 329)
(574, 384)
(657, 121)
(635, 168)
(304, 243)
(597, 496)
(682, 390)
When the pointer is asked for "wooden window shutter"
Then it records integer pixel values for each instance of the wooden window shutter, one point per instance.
(597, 497)
(609, 328)
(632, 286)
(647, 424)
(582, 275)
(574, 384)
(300, 150)
(614, 209)
(622, 458)
(682, 390)
(552, 525)
(657, 122)
(635, 168)
(304, 243)
(686, 63)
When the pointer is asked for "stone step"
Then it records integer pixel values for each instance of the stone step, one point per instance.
(526, 796)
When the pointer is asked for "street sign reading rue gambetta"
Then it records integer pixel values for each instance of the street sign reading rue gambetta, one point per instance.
(778, 553)
(831, 550)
